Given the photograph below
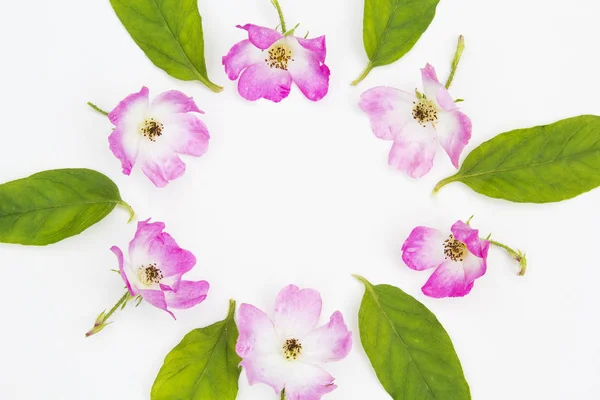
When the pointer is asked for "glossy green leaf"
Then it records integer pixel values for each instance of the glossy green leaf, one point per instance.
(204, 366)
(170, 33)
(53, 205)
(537, 165)
(392, 27)
(409, 349)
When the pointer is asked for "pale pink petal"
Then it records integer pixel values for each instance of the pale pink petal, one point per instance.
(257, 335)
(414, 149)
(124, 147)
(435, 91)
(454, 132)
(448, 280)
(316, 46)
(261, 81)
(331, 342)
(307, 69)
(240, 57)
(186, 134)
(134, 102)
(296, 312)
(117, 251)
(470, 237)
(424, 248)
(389, 110)
(474, 267)
(172, 101)
(188, 294)
(270, 369)
(157, 299)
(260, 36)
(308, 382)
(161, 166)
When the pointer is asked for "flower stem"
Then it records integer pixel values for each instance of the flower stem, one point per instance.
(281, 19)
(95, 107)
(363, 75)
(283, 394)
(517, 255)
(100, 322)
(460, 47)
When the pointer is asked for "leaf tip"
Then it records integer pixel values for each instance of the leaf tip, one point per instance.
(362, 280)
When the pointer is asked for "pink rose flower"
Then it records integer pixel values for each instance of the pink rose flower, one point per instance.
(458, 258)
(269, 61)
(155, 133)
(286, 351)
(155, 267)
(417, 122)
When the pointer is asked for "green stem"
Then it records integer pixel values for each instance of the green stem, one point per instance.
(363, 75)
(283, 394)
(100, 322)
(95, 107)
(122, 300)
(281, 19)
(129, 209)
(460, 47)
(517, 255)
(443, 183)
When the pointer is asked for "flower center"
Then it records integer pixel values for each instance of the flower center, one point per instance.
(151, 129)
(454, 249)
(424, 111)
(278, 57)
(149, 274)
(292, 349)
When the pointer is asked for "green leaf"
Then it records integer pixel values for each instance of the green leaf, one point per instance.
(203, 366)
(392, 27)
(170, 33)
(409, 349)
(53, 205)
(537, 165)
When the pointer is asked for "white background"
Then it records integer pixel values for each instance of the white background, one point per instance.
(298, 192)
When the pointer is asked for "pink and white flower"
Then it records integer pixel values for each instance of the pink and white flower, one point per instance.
(458, 258)
(155, 268)
(286, 351)
(153, 134)
(269, 62)
(417, 122)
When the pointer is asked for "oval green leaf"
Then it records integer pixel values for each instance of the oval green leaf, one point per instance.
(170, 33)
(203, 366)
(392, 27)
(53, 205)
(543, 164)
(409, 349)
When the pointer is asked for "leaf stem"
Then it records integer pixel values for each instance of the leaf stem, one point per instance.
(363, 75)
(517, 255)
(100, 322)
(460, 47)
(129, 209)
(443, 183)
(280, 12)
(95, 107)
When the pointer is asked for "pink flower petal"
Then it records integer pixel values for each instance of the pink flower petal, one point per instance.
(424, 248)
(414, 149)
(134, 102)
(240, 57)
(256, 333)
(161, 165)
(470, 237)
(454, 132)
(331, 342)
(296, 311)
(187, 295)
(308, 382)
(261, 81)
(260, 36)
(435, 91)
(157, 299)
(117, 251)
(151, 245)
(316, 46)
(307, 70)
(474, 267)
(186, 134)
(389, 110)
(266, 368)
(125, 147)
(172, 101)
(448, 280)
